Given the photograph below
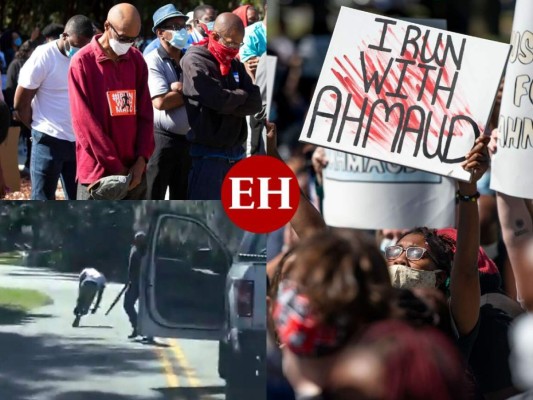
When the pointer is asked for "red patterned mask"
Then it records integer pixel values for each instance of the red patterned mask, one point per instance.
(299, 329)
(223, 54)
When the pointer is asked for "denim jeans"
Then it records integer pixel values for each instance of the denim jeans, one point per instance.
(52, 159)
(206, 177)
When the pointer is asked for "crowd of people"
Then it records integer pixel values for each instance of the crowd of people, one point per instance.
(116, 117)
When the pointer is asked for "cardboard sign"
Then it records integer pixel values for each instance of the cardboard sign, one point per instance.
(9, 159)
(513, 162)
(272, 61)
(404, 93)
(369, 194)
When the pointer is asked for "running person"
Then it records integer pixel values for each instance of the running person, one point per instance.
(91, 282)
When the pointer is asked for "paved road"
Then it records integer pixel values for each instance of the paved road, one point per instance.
(43, 358)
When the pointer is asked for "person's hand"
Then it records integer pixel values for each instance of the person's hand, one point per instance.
(176, 87)
(137, 172)
(478, 159)
(493, 144)
(251, 63)
(320, 161)
(272, 140)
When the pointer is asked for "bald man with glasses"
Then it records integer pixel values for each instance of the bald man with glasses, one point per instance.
(111, 108)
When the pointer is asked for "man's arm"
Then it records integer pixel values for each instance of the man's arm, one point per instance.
(164, 96)
(253, 103)
(517, 232)
(200, 87)
(89, 131)
(22, 105)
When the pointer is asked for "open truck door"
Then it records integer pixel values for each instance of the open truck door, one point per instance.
(183, 280)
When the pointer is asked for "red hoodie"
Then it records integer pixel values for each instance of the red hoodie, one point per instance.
(111, 110)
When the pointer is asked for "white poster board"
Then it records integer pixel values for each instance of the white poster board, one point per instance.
(369, 194)
(272, 62)
(404, 93)
(512, 165)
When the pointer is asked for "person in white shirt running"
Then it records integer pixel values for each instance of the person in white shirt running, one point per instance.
(91, 283)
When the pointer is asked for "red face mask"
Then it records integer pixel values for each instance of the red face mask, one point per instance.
(223, 54)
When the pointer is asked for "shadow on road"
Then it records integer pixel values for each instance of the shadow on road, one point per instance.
(192, 393)
(92, 395)
(14, 316)
(32, 364)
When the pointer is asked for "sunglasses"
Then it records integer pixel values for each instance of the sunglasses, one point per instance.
(413, 253)
(122, 38)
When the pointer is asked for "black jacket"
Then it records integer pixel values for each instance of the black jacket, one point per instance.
(217, 105)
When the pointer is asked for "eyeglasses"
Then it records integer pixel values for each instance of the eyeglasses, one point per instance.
(413, 253)
(121, 38)
(173, 27)
(231, 45)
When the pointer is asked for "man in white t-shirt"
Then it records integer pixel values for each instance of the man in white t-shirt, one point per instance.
(91, 282)
(42, 104)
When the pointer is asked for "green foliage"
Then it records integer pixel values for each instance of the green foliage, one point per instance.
(70, 235)
(25, 15)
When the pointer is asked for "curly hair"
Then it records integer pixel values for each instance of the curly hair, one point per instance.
(342, 274)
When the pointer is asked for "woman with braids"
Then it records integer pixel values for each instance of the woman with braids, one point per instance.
(422, 260)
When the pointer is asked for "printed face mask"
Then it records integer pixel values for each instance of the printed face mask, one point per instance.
(403, 277)
(298, 327)
(118, 47)
(179, 39)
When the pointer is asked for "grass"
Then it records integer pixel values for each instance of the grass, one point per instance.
(11, 258)
(16, 304)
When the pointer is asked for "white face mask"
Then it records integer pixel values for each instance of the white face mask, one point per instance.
(118, 47)
(403, 277)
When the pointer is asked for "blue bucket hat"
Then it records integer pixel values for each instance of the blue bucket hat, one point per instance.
(166, 12)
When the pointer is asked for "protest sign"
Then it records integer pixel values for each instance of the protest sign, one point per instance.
(363, 193)
(272, 62)
(404, 93)
(513, 162)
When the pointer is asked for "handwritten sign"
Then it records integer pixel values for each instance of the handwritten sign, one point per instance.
(363, 193)
(404, 93)
(513, 162)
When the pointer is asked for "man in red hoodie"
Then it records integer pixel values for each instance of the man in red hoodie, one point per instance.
(110, 104)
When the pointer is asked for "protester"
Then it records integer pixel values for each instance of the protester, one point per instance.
(110, 103)
(52, 31)
(393, 360)
(203, 22)
(42, 103)
(255, 44)
(13, 72)
(247, 13)
(170, 163)
(219, 94)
